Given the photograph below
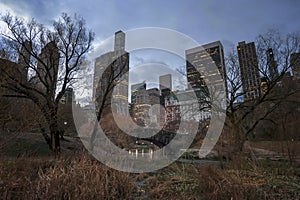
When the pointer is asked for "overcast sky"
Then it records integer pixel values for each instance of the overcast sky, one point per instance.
(205, 21)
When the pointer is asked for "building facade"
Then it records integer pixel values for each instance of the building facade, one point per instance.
(165, 81)
(111, 78)
(24, 60)
(68, 97)
(249, 70)
(47, 67)
(295, 64)
(140, 103)
(272, 65)
(172, 117)
(205, 66)
(154, 101)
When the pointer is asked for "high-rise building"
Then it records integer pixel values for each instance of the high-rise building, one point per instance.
(249, 70)
(139, 94)
(263, 85)
(205, 59)
(119, 41)
(142, 100)
(24, 59)
(17, 110)
(165, 81)
(165, 87)
(47, 67)
(154, 101)
(172, 115)
(68, 97)
(154, 96)
(295, 64)
(19, 70)
(141, 103)
(272, 65)
(111, 77)
(182, 106)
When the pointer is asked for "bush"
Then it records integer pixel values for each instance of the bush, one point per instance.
(65, 178)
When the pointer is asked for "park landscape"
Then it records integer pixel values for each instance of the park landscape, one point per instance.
(43, 157)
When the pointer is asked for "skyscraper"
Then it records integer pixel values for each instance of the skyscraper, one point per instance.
(295, 64)
(24, 59)
(111, 76)
(154, 96)
(249, 70)
(119, 41)
(204, 59)
(263, 85)
(47, 67)
(165, 81)
(165, 87)
(154, 99)
(68, 97)
(141, 103)
(272, 65)
(137, 90)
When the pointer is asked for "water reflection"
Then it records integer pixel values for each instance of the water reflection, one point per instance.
(144, 152)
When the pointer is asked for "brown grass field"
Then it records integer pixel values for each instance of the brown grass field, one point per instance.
(79, 176)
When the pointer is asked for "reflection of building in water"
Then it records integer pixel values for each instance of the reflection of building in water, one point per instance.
(111, 77)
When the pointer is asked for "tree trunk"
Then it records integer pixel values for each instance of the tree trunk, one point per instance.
(54, 132)
(46, 137)
(55, 142)
(238, 135)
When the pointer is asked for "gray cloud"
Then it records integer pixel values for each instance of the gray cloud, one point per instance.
(205, 21)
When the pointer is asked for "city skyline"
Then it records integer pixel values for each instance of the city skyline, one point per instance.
(203, 55)
(205, 22)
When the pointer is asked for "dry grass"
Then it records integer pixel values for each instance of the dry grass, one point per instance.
(82, 177)
(65, 178)
(252, 182)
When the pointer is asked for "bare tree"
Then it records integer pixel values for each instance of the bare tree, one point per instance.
(109, 79)
(243, 117)
(52, 59)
